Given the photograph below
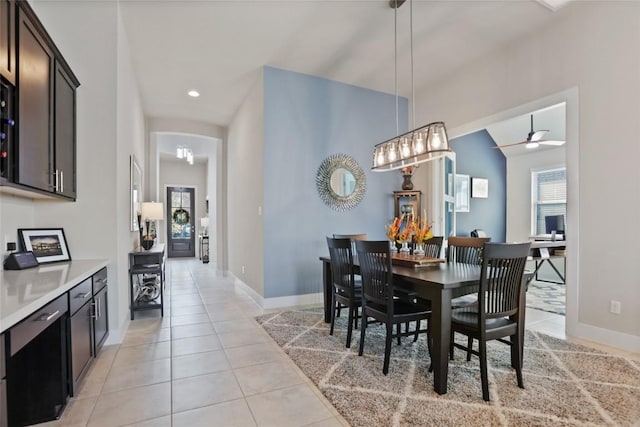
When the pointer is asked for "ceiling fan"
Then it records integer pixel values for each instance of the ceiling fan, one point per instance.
(534, 139)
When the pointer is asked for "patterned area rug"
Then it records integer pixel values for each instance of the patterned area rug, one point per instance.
(565, 384)
(547, 296)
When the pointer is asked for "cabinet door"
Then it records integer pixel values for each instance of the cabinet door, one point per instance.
(81, 350)
(101, 320)
(35, 62)
(65, 132)
(8, 40)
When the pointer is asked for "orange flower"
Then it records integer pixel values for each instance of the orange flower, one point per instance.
(423, 232)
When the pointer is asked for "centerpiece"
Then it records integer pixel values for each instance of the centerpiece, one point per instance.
(422, 233)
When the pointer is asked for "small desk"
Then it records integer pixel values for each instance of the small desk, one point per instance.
(146, 279)
(545, 250)
(436, 283)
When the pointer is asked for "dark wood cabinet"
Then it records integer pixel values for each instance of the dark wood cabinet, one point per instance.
(81, 344)
(34, 120)
(8, 40)
(65, 131)
(407, 203)
(43, 153)
(100, 319)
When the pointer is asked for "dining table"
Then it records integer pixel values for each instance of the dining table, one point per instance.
(438, 282)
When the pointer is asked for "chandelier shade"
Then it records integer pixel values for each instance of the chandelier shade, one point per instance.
(417, 146)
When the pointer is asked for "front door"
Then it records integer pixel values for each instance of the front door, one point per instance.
(180, 226)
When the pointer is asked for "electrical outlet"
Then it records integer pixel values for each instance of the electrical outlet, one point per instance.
(11, 246)
(243, 269)
(615, 307)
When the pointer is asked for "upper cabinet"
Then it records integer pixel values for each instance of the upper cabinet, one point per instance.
(42, 155)
(8, 40)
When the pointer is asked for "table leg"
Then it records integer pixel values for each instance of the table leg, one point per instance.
(326, 290)
(441, 332)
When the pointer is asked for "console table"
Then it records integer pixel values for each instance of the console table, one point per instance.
(547, 250)
(146, 279)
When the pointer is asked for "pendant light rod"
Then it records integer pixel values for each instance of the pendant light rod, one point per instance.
(413, 93)
(395, 61)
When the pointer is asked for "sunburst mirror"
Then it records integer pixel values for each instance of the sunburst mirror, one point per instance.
(341, 182)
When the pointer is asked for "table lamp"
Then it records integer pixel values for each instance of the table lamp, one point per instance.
(151, 211)
(204, 223)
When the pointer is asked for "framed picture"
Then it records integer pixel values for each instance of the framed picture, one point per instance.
(135, 180)
(462, 193)
(47, 244)
(479, 188)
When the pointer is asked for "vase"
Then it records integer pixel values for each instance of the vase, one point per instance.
(407, 184)
(419, 250)
(405, 248)
(392, 246)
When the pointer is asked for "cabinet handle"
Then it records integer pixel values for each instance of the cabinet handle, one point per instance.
(85, 296)
(94, 315)
(46, 316)
(61, 181)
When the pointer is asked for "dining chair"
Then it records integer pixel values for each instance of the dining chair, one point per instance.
(378, 300)
(433, 247)
(499, 311)
(343, 291)
(353, 238)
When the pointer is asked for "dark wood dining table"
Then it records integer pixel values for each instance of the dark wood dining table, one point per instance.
(438, 283)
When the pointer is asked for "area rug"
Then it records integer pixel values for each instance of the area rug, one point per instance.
(565, 384)
(547, 296)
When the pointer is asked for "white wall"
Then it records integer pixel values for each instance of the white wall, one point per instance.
(519, 168)
(245, 144)
(592, 46)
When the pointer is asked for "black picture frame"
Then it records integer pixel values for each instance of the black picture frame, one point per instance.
(47, 244)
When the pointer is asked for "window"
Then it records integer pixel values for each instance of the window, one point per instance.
(549, 196)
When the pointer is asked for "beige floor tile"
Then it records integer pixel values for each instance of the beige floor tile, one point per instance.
(235, 413)
(218, 316)
(132, 405)
(204, 390)
(190, 309)
(149, 325)
(195, 345)
(139, 353)
(139, 338)
(291, 406)
(190, 319)
(254, 354)
(186, 300)
(188, 331)
(236, 325)
(267, 377)
(139, 374)
(156, 422)
(246, 337)
(198, 364)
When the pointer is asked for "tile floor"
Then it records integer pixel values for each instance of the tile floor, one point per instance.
(207, 363)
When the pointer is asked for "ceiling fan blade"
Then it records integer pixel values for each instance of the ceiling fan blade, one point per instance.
(556, 143)
(510, 145)
(537, 135)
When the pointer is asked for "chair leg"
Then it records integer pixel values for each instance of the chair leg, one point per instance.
(483, 369)
(362, 330)
(515, 352)
(350, 327)
(355, 319)
(451, 345)
(387, 348)
(398, 331)
(469, 347)
(415, 337)
(333, 313)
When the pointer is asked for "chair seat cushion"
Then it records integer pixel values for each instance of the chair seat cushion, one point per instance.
(467, 317)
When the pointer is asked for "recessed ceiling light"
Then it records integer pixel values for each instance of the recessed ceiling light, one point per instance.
(194, 93)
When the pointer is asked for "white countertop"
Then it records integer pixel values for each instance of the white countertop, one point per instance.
(22, 292)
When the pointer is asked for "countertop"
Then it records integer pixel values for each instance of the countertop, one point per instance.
(22, 292)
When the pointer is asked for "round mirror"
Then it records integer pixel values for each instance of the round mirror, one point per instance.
(341, 182)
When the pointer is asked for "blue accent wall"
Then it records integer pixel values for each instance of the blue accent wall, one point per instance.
(476, 157)
(307, 119)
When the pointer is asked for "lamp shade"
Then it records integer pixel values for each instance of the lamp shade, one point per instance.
(153, 211)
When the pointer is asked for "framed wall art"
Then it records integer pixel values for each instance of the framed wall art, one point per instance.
(47, 244)
(479, 188)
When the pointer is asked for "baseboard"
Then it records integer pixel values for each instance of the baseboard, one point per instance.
(279, 302)
(116, 336)
(608, 337)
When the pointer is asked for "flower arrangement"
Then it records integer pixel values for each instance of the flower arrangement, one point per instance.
(394, 228)
(404, 235)
(422, 231)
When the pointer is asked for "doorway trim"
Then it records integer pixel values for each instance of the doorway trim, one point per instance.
(571, 98)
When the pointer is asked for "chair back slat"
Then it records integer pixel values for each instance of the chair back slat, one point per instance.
(341, 264)
(433, 247)
(501, 279)
(353, 238)
(376, 272)
(466, 250)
